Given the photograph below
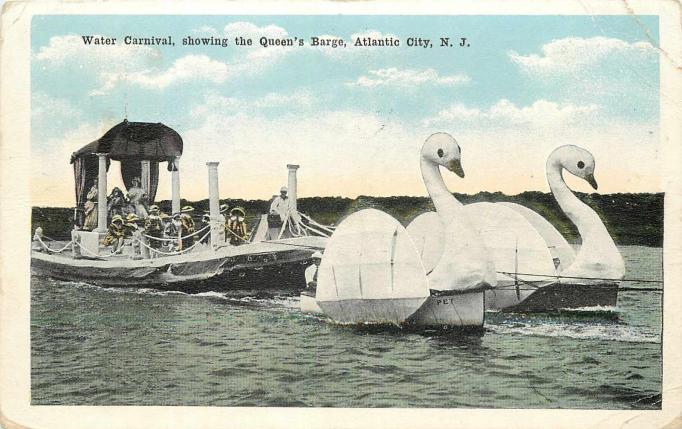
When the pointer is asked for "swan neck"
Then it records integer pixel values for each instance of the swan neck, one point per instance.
(446, 204)
(598, 255)
(568, 202)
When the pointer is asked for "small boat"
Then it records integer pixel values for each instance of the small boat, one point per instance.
(309, 303)
(273, 257)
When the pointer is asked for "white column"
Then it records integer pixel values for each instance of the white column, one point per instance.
(214, 205)
(292, 186)
(145, 177)
(175, 186)
(102, 193)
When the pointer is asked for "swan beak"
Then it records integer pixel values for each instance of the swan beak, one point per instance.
(456, 167)
(590, 179)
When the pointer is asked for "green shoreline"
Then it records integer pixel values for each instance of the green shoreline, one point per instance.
(632, 219)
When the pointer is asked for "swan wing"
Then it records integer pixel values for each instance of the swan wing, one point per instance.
(557, 244)
(371, 271)
(465, 263)
(515, 246)
(428, 235)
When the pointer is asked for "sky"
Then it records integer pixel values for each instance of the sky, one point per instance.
(354, 118)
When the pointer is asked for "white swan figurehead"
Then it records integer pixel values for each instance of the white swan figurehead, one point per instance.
(465, 263)
(598, 256)
(576, 160)
(441, 149)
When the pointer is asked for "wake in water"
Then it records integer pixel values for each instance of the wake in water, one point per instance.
(589, 323)
(580, 325)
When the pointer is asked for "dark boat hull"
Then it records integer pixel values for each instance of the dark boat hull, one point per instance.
(259, 266)
(552, 297)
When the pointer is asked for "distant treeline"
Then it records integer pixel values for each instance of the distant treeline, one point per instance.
(630, 218)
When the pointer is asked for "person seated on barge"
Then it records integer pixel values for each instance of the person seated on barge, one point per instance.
(135, 231)
(153, 227)
(235, 228)
(116, 203)
(115, 234)
(205, 222)
(187, 227)
(138, 198)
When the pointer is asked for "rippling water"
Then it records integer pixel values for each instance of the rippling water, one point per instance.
(100, 346)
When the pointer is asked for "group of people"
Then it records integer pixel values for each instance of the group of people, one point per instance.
(131, 217)
(118, 203)
(165, 234)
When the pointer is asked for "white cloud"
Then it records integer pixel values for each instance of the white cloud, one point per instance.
(189, 67)
(540, 114)
(408, 78)
(573, 53)
(49, 113)
(248, 29)
(70, 48)
(232, 105)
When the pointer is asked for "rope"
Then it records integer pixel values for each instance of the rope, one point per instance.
(305, 246)
(179, 238)
(95, 254)
(46, 247)
(245, 240)
(525, 282)
(284, 225)
(583, 278)
(319, 225)
(172, 253)
(310, 228)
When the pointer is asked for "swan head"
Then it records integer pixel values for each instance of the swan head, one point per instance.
(442, 149)
(578, 161)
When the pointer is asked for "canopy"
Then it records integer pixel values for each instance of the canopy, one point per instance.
(130, 143)
(139, 141)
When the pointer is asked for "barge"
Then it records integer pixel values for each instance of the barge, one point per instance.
(274, 256)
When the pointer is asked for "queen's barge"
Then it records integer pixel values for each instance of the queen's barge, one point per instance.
(274, 257)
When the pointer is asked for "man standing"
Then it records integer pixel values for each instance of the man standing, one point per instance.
(311, 272)
(91, 208)
(280, 205)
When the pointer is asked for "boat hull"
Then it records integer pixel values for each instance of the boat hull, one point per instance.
(551, 297)
(394, 311)
(255, 266)
(451, 309)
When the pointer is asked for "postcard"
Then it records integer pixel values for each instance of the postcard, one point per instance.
(330, 214)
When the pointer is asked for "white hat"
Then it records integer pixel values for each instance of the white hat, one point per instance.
(317, 255)
(284, 189)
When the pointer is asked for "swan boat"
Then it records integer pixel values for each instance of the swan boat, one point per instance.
(537, 269)
(375, 271)
(273, 257)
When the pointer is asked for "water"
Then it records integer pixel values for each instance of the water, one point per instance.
(100, 346)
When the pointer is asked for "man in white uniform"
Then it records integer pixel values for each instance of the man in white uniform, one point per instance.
(280, 205)
(311, 272)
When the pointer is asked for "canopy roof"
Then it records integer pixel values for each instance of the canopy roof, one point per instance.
(139, 141)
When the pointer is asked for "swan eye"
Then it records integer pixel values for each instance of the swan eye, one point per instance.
(440, 153)
(581, 164)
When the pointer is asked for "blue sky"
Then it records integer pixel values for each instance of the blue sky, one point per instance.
(354, 118)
